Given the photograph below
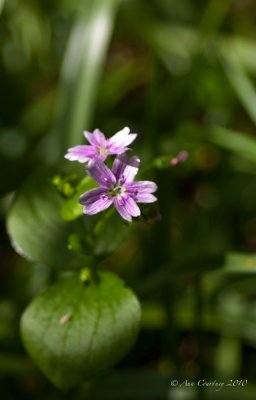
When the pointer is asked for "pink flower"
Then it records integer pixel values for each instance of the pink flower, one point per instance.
(182, 156)
(117, 187)
(100, 147)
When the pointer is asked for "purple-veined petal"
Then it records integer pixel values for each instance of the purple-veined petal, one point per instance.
(92, 195)
(122, 211)
(117, 150)
(80, 153)
(101, 173)
(125, 169)
(145, 198)
(132, 207)
(126, 207)
(121, 139)
(141, 187)
(95, 200)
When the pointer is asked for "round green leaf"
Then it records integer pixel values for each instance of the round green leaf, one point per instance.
(74, 330)
(34, 224)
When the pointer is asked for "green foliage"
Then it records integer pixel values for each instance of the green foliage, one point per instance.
(240, 263)
(182, 75)
(35, 226)
(1, 4)
(70, 208)
(75, 330)
(110, 232)
(237, 142)
(241, 83)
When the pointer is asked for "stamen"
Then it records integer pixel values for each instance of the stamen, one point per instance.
(115, 191)
(102, 151)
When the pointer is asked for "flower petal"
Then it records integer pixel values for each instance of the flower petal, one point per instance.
(80, 153)
(145, 198)
(96, 138)
(121, 139)
(125, 169)
(90, 137)
(99, 137)
(126, 207)
(132, 207)
(95, 200)
(141, 187)
(117, 150)
(101, 173)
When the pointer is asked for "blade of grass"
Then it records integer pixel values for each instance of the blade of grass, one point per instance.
(240, 82)
(1, 5)
(82, 67)
(214, 15)
(242, 49)
(237, 142)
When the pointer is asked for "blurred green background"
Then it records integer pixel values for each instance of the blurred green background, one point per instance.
(182, 75)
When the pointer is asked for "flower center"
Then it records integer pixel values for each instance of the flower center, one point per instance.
(115, 191)
(102, 151)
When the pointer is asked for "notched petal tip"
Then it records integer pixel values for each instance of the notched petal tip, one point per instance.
(95, 138)
(124, 131)
(125, 169)
(89, 136)
(130, 138)
(121, 139)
